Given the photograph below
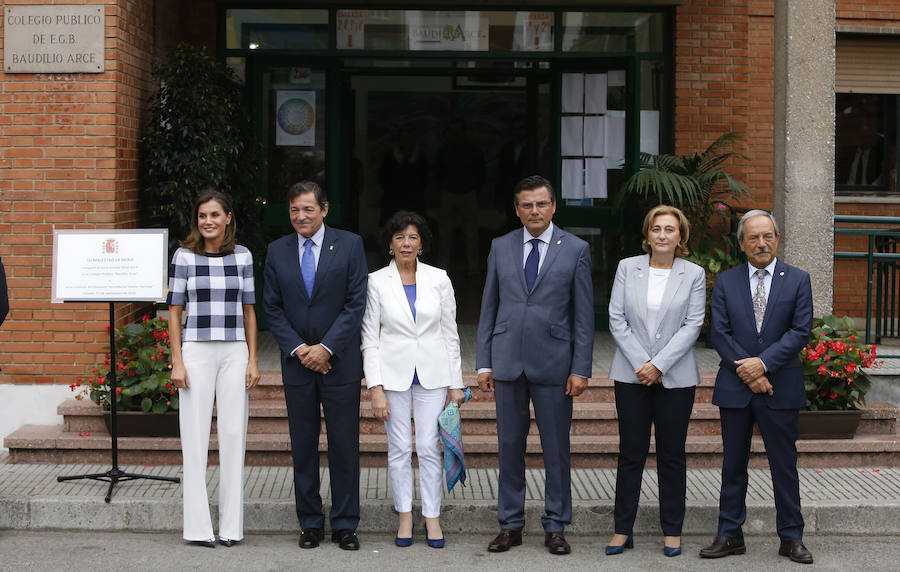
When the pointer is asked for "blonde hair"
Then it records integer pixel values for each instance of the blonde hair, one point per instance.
(684, 227)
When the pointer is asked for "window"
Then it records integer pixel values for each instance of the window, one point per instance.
(865, 143)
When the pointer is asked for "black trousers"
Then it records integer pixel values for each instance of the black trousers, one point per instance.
(341, 407)
(639, 407)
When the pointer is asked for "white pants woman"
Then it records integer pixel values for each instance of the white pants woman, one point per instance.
(216, 371)
(425, 405)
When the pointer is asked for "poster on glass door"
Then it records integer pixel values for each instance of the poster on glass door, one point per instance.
(295, 118)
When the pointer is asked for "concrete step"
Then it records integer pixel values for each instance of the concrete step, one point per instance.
(600, 388)
(269, 416)
(52, 444)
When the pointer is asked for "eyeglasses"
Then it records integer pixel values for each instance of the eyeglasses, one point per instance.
(540, 204)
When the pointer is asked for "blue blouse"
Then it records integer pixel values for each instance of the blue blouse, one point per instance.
(410, 290)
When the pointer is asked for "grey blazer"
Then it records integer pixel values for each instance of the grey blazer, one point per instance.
(547, 333)
(671, 347)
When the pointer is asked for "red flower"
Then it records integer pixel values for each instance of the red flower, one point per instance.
(822, 370)
(72, 386)
(118, 390)
(121, 366)
(832, 395)
(145, 318)
(850, 367)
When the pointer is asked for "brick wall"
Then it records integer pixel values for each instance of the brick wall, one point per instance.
(68, 158)
(850, 276)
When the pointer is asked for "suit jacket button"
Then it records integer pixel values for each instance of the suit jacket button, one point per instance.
(658, 336)
(760, 340)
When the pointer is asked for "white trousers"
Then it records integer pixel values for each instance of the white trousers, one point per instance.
(216, 372)
(426, 405)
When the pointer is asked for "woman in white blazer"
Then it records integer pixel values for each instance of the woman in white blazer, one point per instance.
(411, 360)
(656, 310)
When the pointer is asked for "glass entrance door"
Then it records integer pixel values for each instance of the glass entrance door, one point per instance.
(449, 145)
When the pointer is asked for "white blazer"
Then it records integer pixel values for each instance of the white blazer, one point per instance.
(394, 345)
(671, 347)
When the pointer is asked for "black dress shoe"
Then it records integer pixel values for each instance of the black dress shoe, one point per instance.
(723, 546)
(311, 537)
(204, 543)
(346, 539)
(556, 543)
(795, 550)
(227, 542)
(506, 539)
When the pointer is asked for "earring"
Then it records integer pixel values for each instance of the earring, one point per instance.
(391, 251)
(420, 252)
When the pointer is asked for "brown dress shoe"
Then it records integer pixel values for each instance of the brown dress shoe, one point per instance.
(505, 540)
(556, 543)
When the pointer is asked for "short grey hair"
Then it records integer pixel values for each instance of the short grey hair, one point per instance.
(750, 214)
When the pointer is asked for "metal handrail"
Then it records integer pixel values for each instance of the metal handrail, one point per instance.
(871, 256)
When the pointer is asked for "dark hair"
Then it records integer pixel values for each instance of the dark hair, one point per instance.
(195, 241)
(402, 219)
(532, 183)
(304, 187)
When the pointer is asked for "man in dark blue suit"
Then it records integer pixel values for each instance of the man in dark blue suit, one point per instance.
(315, 297)
(535, 341)
(762, 314)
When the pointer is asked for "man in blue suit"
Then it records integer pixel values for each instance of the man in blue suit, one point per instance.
(315, 297)
(535, 340)
(762, 314)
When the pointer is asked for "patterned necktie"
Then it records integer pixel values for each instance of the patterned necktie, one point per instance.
(531, 264)
(308, 266)
(759, 298)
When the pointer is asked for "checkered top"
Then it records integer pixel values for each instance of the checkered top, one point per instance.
(212, 288)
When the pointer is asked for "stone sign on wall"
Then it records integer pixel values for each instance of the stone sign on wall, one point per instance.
(53, 39)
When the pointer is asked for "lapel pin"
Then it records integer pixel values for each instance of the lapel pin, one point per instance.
(640, 275)
(559, 241)
(781, 273)
(332, 248)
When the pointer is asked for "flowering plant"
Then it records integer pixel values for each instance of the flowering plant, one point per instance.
(833, 363)
(143, 365)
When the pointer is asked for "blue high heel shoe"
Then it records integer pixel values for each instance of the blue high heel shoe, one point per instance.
(405, 542)
(439, 543)
(612, 549)
(668, 551)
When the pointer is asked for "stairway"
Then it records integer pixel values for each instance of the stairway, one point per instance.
(83, 437)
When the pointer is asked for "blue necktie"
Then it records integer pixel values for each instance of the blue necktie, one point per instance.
(308, 266)
(531, 263)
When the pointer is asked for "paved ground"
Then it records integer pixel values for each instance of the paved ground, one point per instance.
(835, 500)
(24, 551)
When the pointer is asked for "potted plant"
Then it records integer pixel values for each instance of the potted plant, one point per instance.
(700, 186)
(146, 399)
(198, 132)
(836, 380)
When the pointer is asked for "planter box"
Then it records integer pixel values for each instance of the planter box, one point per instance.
(828, 424)
(140, 424)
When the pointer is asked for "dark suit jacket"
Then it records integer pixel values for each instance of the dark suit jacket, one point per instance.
(4, 296)
(785, 330)
(331, 316)
(547, 333)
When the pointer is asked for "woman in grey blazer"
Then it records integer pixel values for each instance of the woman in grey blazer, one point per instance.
(656, 310)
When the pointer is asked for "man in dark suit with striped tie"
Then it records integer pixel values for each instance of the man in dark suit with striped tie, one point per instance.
(762, 313)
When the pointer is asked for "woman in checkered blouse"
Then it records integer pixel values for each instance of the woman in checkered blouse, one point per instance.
(213, 359)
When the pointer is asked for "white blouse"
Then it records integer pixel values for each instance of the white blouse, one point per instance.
(655, 290)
